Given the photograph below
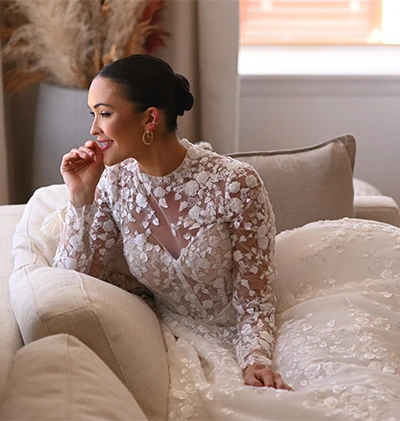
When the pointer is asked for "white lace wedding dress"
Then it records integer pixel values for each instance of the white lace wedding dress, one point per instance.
(201, 239)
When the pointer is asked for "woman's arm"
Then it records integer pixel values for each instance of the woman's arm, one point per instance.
(91, 243)
(89, 238)
(252, 229)
(89, 232)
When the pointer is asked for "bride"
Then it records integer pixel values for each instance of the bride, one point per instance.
(198, 233)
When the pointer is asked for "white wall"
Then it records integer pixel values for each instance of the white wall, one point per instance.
(278, 112)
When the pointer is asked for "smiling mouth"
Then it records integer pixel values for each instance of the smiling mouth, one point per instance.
(104, 144)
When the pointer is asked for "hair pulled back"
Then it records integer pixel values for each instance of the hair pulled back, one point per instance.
(148, 81)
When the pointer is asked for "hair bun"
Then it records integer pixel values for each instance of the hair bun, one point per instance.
(184, 99)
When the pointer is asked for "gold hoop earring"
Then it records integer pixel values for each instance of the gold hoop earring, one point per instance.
(149, 135)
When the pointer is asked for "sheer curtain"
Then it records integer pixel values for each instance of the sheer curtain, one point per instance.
(4, 193)
(203, 46)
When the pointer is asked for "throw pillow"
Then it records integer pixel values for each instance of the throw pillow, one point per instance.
(307, 184)
(59, 378)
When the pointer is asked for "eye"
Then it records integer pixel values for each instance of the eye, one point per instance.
(104, 114)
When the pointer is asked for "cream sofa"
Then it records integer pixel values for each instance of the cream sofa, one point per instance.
(79, 360)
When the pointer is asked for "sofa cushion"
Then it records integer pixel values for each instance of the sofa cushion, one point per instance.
(10, 340)
(363, 188)
(307, 184)
(377, 208)
(118, 326)
(59, 378)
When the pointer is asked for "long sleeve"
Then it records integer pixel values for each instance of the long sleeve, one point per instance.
(252, 230)
(92, 243)
(89, 238)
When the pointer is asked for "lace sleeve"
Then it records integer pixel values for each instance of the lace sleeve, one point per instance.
(88, 240)
(91, 243)
(252, 228)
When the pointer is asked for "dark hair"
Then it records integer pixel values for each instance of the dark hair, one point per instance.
(150, 82)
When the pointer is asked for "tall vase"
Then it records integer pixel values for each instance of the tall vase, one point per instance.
(62, 122)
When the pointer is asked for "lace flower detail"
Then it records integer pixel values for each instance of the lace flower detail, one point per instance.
(191, 188)
(200, 239)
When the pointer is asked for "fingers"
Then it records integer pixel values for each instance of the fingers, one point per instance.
(69, 157)
(279, 383)
(251, 380)
(267, 377)
(87, 152)
(75, 156)
(92, 145)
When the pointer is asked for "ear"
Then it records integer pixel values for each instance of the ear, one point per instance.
(152, 117)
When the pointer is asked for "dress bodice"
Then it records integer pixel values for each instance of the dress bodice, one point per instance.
(201, 239)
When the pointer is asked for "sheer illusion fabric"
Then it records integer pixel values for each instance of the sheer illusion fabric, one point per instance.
(201, 239)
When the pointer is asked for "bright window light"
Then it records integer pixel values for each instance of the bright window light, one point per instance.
(391, 22)
(319, 22)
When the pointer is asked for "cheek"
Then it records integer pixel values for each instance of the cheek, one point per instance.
(130, 129)
(125, 133)
(114, 129)
(123, 128)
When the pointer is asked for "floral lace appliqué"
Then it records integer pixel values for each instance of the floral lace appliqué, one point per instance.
(201, 239)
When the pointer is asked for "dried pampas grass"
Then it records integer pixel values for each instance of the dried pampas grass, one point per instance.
(67, 42)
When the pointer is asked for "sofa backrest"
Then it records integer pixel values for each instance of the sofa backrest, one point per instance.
(307, 184)
(304, 185)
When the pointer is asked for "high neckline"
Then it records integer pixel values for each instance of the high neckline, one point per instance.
(159, 179)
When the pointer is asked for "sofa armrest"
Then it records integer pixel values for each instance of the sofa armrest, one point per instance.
(10, 340)
(377, 208)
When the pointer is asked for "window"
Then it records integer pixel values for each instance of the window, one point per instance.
(316, 22)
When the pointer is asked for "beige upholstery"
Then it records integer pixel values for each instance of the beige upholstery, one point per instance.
(118, 326)
(377, 208)
(307, 184)
(10, 338)
(363, 188)
(304, 185)
(59, 378)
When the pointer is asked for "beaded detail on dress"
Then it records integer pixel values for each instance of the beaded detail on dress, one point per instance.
(201, 239)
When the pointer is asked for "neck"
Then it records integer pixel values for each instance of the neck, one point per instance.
(163, 157)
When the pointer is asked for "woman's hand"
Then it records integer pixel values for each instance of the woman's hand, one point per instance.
(261, 376)
(81, 170)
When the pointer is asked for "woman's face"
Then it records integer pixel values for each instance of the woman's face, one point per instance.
(117, 127)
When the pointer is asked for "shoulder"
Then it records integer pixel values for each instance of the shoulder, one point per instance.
(240, 173)
(228, 168)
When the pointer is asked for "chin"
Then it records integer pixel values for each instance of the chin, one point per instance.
(110, 161)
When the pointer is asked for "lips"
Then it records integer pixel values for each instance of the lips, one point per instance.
(104, 144)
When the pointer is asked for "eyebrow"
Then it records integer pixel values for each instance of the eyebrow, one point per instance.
(101, 103)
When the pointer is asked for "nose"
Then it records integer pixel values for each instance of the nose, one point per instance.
(95, 129)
